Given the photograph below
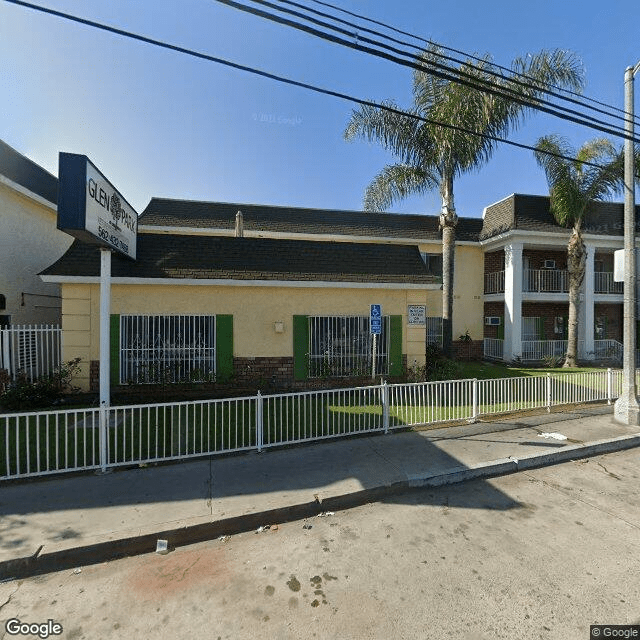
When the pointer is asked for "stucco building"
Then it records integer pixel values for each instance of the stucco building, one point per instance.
(29, 241)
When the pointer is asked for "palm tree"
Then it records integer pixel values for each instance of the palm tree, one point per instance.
(433, 156)
(573, 186)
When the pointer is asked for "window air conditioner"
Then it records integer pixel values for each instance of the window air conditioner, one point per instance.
(492, 320)
(549, 264)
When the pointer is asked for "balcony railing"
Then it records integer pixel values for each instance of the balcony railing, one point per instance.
(494, 282)
(603, 283)
(545, 281)
(551, 281)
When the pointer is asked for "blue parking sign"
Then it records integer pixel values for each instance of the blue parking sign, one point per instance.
(375, 324)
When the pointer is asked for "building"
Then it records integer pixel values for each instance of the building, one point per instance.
(526, 281)
(29, 241)
(282, 295)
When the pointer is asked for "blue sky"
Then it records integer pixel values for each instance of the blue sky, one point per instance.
(162, 124)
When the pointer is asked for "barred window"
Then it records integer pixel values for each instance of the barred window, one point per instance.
(434, 330)
(156, 349)
(343, 346)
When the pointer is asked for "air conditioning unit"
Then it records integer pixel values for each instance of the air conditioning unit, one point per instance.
(549, 264)
(493, 320)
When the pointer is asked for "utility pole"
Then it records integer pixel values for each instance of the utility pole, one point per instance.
(626, 409)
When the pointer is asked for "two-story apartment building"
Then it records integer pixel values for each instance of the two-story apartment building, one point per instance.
(526, 281)
(288, 298)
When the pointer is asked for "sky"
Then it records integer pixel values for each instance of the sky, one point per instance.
(161, 124)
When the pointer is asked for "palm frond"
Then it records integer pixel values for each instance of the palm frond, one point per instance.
(395, 182)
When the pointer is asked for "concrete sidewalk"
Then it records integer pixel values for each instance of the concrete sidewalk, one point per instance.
(51, 524)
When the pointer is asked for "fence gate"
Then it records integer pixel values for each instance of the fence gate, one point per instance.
(32, 350)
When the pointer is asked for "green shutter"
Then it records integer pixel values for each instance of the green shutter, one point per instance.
(395, 346)
(114, 349)
(500, 329)
(300, 347)
(224, 347)
(540, 328)
(565, 327)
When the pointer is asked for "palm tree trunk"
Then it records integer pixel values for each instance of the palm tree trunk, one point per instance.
(576, 260)
(448, 222)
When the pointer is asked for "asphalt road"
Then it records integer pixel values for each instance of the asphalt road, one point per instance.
(539, 554)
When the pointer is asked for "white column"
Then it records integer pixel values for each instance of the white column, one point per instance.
(513, 274)
(586, 323)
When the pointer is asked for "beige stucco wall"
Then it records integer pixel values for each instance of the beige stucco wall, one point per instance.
(255, 310)
(29, 242)
(468, 287)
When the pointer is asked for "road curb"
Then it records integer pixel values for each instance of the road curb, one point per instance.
(40, 563)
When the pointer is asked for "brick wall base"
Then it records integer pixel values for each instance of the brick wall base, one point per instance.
(466, 351)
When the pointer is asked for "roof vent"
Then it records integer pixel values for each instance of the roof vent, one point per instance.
(239, 225)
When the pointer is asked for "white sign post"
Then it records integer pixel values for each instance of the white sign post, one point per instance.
(91, 209)
(375, 327)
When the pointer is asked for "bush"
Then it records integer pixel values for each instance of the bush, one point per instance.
(42, 392)
(437, 367)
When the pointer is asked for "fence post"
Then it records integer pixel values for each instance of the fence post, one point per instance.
(609, 385)
(103, 415)
(474, 409)
(259, 422)
(548, 392)
(385, 406)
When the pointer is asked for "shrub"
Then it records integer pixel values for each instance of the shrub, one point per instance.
(42, 392)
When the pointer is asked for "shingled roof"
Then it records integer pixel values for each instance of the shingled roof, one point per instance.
(221, 257)
(531, 213)
(161, 212)
(28, 174)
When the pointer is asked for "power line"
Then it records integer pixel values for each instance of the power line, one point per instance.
(271, 76)
(453, 50)
(442, 71)
(514, 76)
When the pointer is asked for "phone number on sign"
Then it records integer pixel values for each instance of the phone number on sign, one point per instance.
(112, 239)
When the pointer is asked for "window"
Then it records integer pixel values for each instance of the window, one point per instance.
(434, 331)
(156, 349)
(531, 329)
(3, 302)
(342, 346)
(433, 262)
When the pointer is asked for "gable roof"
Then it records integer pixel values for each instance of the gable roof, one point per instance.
(162, 212)
(222, 257)
(28, 174)
(532, 213)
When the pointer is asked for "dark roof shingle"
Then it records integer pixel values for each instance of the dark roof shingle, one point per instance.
(267, 218)
(214, 257)
(27, 173)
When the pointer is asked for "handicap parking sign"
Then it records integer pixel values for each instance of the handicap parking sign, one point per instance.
(376, 319)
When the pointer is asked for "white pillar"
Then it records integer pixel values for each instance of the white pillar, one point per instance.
(513, 274)
(586, 324)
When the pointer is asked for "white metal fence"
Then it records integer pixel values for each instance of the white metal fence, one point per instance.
(30, 350)
(494, 348)
(35, 444)
(494, 282)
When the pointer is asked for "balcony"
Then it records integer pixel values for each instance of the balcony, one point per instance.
(545, 281)
(551, 281)
(603, 283)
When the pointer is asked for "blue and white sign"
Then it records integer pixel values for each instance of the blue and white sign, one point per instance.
(375, 319)
(92, 209)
